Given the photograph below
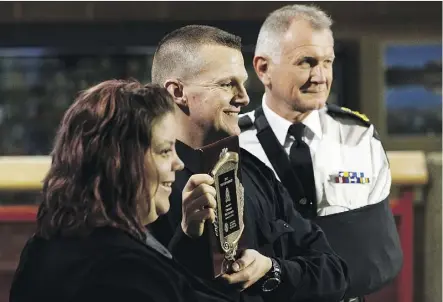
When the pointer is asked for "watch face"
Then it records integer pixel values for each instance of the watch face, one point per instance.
(270, 284)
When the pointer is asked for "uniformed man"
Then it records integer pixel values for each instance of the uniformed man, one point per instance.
(288, 258)
(329, 158)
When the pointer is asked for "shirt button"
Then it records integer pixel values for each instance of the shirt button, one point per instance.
(285, 225)
(303, 201)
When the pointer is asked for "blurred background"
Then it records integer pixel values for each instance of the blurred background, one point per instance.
(388, 66)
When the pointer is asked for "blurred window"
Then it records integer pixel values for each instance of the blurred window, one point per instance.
(413, 92)
(38, 84)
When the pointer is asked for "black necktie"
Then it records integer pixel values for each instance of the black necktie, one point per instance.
(301, 162)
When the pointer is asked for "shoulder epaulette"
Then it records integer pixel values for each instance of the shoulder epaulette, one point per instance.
(245, 122)
(343, 111)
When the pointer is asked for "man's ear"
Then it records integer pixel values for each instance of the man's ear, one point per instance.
(261, 67)
(175, 89)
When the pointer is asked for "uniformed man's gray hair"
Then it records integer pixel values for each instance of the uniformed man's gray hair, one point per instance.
(278, 22)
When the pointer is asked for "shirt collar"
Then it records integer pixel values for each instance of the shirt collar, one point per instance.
(312, 122)
(280, 125)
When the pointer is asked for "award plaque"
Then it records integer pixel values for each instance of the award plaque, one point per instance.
(222, 161)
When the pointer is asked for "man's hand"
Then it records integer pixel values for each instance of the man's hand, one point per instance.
(248, 269)
(198, 204)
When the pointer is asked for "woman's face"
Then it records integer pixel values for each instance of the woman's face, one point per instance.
(161, 161)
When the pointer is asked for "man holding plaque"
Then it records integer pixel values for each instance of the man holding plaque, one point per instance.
(280, 256)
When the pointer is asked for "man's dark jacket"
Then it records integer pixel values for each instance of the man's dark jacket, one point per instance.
(311, 271)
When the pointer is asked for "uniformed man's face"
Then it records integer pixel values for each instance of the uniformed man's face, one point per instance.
(302, 76)
(216, 93)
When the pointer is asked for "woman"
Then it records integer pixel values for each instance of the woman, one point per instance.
(112, 168)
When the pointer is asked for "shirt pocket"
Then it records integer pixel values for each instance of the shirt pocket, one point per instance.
(347, 177)
(271, 239)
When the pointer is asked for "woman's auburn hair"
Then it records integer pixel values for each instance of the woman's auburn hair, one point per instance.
(98, 172)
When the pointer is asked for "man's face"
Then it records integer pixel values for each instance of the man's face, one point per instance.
(216, 93)
(302, 77)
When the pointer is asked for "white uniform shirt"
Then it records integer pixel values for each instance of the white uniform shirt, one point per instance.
(337, 144)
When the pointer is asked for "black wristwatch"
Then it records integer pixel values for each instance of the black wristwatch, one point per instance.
(272, 279)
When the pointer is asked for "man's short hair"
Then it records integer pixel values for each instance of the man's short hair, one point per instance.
(177, 53)
(278, 22)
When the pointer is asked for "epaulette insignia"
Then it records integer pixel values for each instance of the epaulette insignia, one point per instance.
(337, 110)
(362, 116)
